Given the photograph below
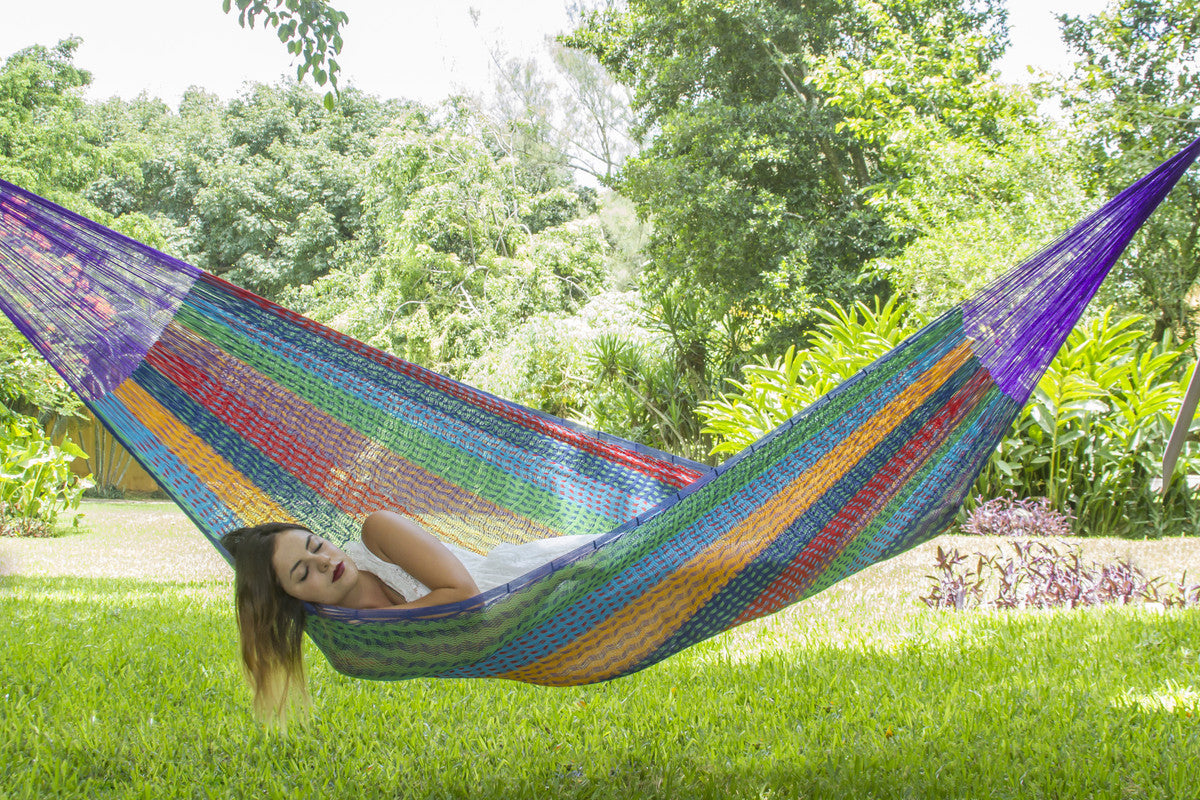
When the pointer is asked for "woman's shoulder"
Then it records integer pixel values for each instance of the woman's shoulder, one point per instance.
(391, 574)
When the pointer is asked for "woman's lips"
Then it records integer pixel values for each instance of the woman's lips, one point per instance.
(339, 569)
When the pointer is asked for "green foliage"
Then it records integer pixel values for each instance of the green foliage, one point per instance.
(773, 391)
(613, 367)
(46, 142)
(971, 210)
(460, 251)
(311, 30)
(546, 362)
(1132, 102)
(641, 393)
(771, 123)
(261, 190)
(27, 381)
(1091, 437)
(36, 482)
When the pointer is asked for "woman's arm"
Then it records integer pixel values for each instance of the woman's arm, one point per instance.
(405, 543)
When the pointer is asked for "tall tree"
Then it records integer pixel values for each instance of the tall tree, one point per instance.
(769, 122)
(261, 190)
(46, 143)
(464, 243)
(1133, 99)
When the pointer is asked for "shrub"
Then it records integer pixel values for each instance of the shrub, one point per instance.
(1039, 575)
(1008, 516)
(1092, 435)
(1089, 439)
(36, 482)
(774, 391)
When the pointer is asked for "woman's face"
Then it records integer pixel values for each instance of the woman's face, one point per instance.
(312, 569)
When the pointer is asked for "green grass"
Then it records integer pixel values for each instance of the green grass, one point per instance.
(130, 687)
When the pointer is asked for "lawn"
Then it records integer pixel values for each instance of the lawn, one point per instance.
(119, 678)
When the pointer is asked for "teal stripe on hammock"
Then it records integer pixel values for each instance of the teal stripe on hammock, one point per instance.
(928, 515)
(744, 592)
(999, 419)
(898, 510)
(943, 490)
(425, 451)
(252, 320)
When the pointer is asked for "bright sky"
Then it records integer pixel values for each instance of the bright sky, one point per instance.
(412, 49)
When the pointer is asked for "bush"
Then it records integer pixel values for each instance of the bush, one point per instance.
(1092, 435)
(598, 367)
(1089, 439)
(1039, 575)
(774, 391)
(36, 482)
(1010, 517)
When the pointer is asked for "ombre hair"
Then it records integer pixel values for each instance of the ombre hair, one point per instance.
(270, 622)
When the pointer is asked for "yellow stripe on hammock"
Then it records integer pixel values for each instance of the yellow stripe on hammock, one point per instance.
(223, 479)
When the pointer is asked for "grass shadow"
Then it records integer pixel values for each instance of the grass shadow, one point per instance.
(123, 688)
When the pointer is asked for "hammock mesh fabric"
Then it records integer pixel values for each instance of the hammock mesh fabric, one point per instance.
(245, 412)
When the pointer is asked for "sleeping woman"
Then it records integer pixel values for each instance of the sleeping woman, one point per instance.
(281, 566)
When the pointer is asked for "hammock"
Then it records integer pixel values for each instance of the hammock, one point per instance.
(245, 412)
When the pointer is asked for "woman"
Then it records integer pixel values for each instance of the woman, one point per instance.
(280, 566)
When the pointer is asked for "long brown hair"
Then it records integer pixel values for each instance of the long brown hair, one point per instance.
(270, 622)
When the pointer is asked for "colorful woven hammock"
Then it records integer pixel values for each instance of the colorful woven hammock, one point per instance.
(245, 412)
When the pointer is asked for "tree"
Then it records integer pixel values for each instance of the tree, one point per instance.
(972, 209)
(597, 116)
(46, 146)
(1133, 101)
(465, 242)
(261, 190)
(311, 29)
(769, 129)
(573, 116)
(46, 143)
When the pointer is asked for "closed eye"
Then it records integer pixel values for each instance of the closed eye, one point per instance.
(312, 549)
